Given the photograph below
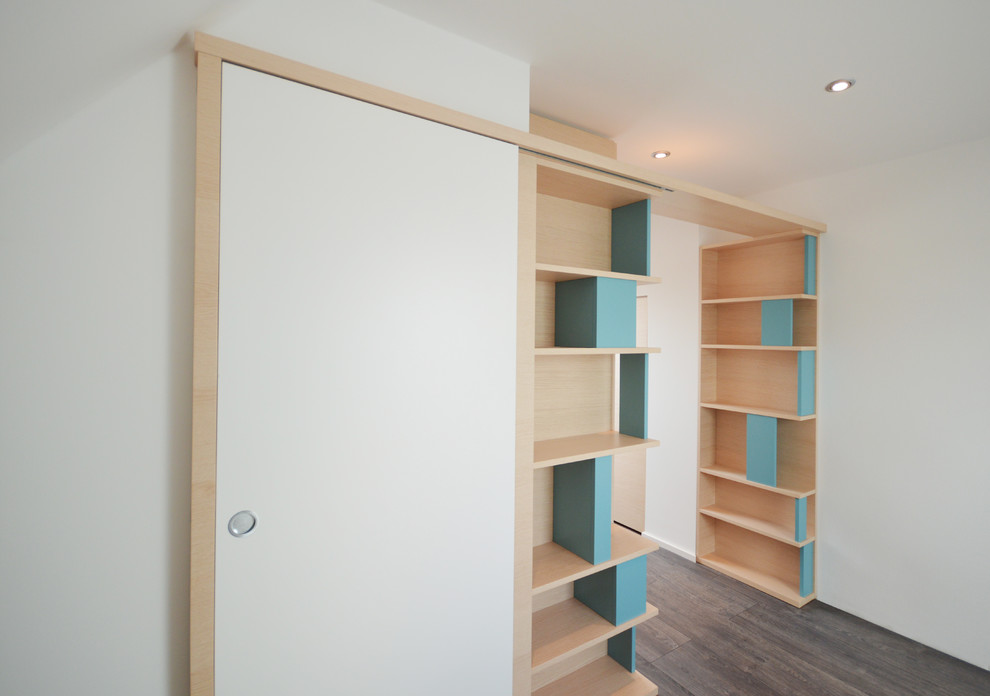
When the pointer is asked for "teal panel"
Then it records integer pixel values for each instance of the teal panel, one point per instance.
(598, 593)
(595, 313)
(777, 325)
(576, 302)
(810, 265)
(761, 449)
(616, 313)
(618, 594)
(633, 382)
(630, 590)
(631, 238)
(800, 519)
(806, 383)
(603, 510)
(582, 508)
(807, 582)
(622, 649)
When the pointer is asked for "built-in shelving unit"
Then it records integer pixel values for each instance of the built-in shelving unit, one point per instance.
(591, 250)
(757, 456)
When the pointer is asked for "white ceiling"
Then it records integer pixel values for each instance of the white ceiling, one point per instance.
(733, 88)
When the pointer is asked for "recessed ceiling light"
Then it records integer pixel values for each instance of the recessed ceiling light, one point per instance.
(661, 154)
(839, 85)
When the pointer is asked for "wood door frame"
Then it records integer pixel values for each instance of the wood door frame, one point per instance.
(206, 300)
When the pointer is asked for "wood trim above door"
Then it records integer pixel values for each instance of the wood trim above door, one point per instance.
(675, 199)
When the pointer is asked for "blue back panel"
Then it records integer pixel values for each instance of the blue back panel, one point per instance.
(595, 313)
(630, 589)
(810, 265)
(761, 449)
(807, 581)
(582, 508)
(622, 649)
(633, 381)
(616, 313)
(806, 383)
(777, 325)
(631, 238)
(800, 519)
(618, 594)
(574, 314)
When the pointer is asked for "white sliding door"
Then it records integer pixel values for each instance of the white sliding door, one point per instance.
(366, 399)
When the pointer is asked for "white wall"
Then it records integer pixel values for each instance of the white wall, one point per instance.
(674, 325)
(672, 467)
(95, 351)
(904, 517)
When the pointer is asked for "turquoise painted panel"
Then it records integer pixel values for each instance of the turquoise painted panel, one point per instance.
(810, 265)
(777, 325)
(806, 383)
(582, 508)
(617, 594)
(616, 313)
(631, 238)
(630, 590)
(800, 519)
(595, 313)
(633, 381)
(761, 449)
(622, 649)
(574, 314)
(806, 584)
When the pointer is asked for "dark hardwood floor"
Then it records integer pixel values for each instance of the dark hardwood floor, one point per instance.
(718, 636)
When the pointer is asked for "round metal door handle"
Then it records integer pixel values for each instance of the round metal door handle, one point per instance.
(242, 523)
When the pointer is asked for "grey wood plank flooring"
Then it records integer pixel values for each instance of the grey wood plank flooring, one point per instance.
(718, 637)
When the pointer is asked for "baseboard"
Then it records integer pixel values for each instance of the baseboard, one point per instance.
(683, 553)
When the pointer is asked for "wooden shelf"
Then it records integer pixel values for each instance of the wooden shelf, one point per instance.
(721, 346)
(580, 447)
(551, 273)
(762, 581)
(568, 627)
(787, 483)
(756, 411)
(554, 565)
(769, 529)
(603, 677)
(763, 240)
(760, 298)
(558, 350)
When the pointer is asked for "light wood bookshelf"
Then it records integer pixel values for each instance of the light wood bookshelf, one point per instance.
(576, 392)
(757, 465)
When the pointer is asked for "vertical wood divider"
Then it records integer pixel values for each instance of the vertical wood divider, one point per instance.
(206, 298)
(525, 397)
